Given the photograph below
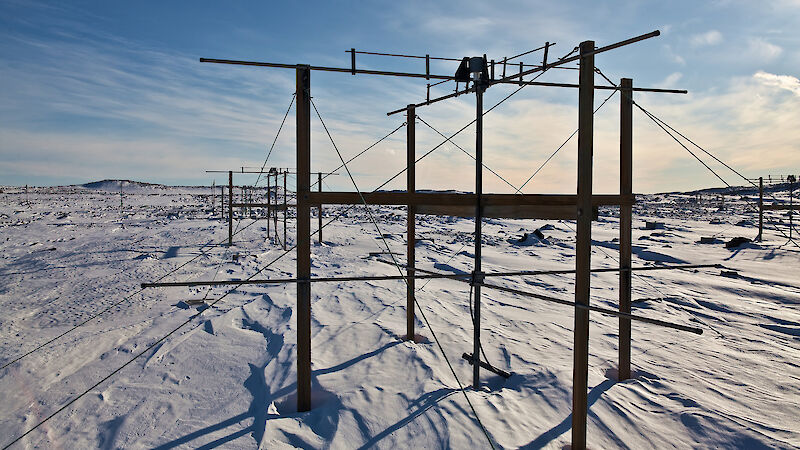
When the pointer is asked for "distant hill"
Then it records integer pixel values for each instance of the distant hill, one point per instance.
(116, 185)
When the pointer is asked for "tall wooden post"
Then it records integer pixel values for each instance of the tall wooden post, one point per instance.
(625, 223)
(275, 209)
(477, 274)
(319, 209)
(303, 113)
(269, 204)
(411, 219)
(583, 249)
(285, 210)
(760, 209)
(230, 208)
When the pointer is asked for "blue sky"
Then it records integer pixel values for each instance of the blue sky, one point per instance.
(94, 90)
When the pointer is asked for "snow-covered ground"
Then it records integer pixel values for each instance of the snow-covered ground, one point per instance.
(227, 378)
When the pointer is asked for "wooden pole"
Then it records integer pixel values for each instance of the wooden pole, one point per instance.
(275, 209)
(269, 208)
(410, 220)
(230, 208)
(319, 209)
(303, 112)
(477, 274)
(285, 210)
(580, 368)
(625, 225)
(760, 209)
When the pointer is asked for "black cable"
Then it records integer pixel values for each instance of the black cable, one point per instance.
(103, 311)
(260, 172)
(360, 153)
(150, 347)
(464, 151)
(394, 260)
(562, 145)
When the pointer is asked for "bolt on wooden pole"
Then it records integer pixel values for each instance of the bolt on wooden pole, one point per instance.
(580, 367)
(230, 208)
(760, 209)
(625, 225)
(410, 220)
(303, 112)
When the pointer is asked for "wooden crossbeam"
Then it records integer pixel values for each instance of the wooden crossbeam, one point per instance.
(781, 207)
(460, 199)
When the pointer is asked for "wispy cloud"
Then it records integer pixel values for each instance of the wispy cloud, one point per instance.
(711, 37)
(761, 50)
(787, 82)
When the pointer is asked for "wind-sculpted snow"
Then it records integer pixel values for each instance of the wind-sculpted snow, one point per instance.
(228, 379)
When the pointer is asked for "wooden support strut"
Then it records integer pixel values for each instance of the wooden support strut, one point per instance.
(760, 209)
(410, 221)
(303, 112)
(319, 209)
(625, 225)
(284, 211)
(230, 208)
(580, 367)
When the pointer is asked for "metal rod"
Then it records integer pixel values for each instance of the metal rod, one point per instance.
(583, 245)
(510, 78)
(410, 221)
(303, 112)
(319, 209)
(466, 278)
(569, 271)
(476, 318)
(598, 309)
(544, 84)
(625, 226)
(408, 56)
(258, 281)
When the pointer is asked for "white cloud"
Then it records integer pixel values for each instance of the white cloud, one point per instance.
(711, 37)
(787, 82)
(759, 49)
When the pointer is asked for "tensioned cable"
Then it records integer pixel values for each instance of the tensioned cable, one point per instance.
(663, 125)
(562, 145)
(103, 311)
(275, 140)
(462, 129)
(464, 151)
(360, 153)
(150, 347)
(405, 280)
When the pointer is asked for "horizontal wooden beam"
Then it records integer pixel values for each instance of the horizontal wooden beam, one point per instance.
(781, 207)
(460, 199)
(547, 212)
